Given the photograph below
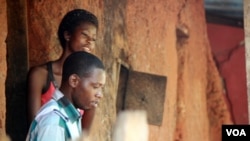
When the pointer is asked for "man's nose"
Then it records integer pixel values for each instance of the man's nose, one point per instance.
(99, 94)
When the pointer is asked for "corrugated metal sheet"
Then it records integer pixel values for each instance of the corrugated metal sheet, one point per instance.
(232, 9)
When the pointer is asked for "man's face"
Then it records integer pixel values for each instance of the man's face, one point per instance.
(89, 90)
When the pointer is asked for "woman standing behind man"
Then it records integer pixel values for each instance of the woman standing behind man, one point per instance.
(77, 32)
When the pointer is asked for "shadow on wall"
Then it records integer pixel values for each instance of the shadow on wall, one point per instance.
(17, 66)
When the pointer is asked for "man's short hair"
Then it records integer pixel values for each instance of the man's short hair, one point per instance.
(80, 63)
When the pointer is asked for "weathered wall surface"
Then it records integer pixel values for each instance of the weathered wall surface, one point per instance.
(3, 67)
(169, 38)
(200, 91)
(154, 36)
(152, 49)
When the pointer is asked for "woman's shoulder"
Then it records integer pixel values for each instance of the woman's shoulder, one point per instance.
(39, 70)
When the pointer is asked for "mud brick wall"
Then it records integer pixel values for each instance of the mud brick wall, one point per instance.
(160, 37)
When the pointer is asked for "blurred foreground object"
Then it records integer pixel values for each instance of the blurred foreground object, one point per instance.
(84, 137)
(131, 126)
(4, 137)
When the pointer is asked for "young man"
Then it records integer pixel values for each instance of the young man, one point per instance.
(83, 79)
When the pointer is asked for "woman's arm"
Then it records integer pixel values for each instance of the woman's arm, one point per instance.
(87, 119)
(36, 80)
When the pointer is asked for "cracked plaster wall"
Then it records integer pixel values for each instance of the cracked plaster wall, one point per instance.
(144, 35)
(229, 54)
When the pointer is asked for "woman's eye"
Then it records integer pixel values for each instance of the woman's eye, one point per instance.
(84, 34)
(87, 36)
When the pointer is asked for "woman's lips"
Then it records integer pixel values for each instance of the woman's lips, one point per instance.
(87, 49)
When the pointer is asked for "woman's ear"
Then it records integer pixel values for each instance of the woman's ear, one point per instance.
(74, 80)
(66, 35)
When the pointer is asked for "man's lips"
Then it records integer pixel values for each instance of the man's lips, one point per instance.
(94, 103)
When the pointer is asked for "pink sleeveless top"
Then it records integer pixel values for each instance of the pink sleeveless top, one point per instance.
(48, 94)
(50, 87)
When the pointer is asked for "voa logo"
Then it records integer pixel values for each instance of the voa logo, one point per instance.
(236, 132)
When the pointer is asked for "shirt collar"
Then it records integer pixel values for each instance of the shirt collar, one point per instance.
(72, 113)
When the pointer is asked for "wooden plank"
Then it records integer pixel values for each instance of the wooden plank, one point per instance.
(142, 91)
(247, 49)
(146, 92)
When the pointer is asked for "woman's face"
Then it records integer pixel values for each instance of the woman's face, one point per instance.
(83, 38)
(89, 90)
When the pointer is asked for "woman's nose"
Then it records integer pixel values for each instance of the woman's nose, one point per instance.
(91, 44)
(90, 39)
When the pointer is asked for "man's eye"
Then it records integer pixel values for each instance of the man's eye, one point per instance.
(103, 89)
(84, 34)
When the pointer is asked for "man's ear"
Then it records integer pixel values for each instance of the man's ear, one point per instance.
(74, 80)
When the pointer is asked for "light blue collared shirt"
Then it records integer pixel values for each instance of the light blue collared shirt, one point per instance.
(57, 120)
